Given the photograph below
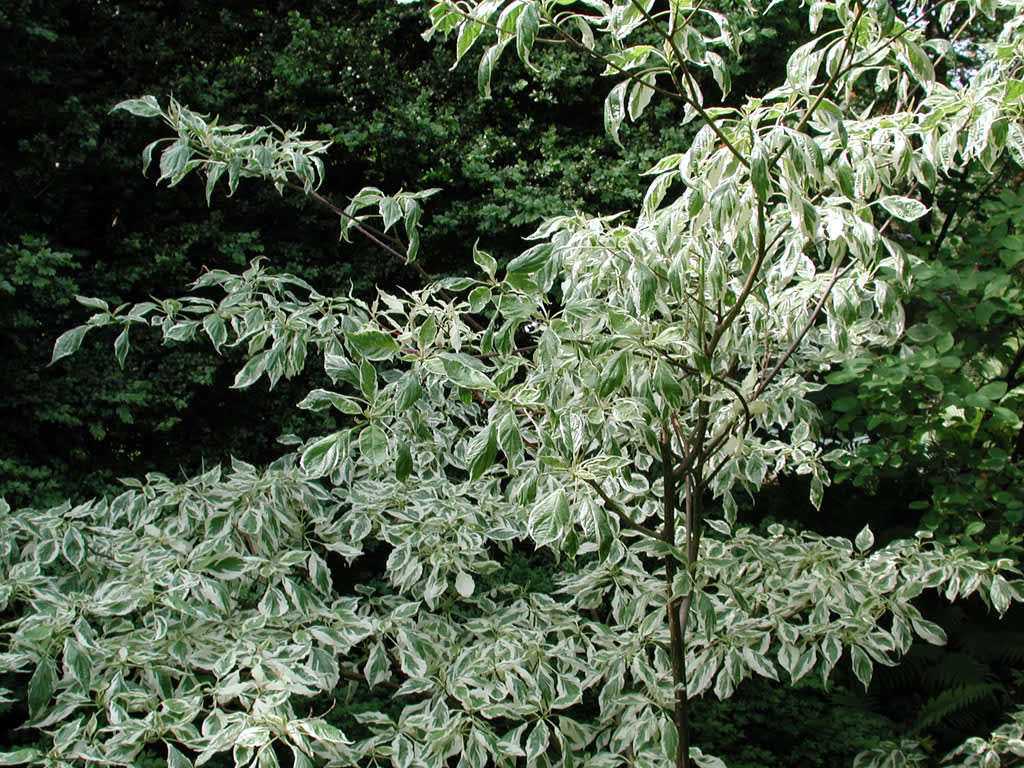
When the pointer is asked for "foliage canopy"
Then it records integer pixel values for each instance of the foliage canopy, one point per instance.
(608, 394)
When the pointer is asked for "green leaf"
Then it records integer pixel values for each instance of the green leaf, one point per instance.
(460, 371)
(1002, 594)
(527, 27)
(214, 170)
(97, 304)
(73, 547)
(319, 399)
(759, 664)
(904, 208)
(321, 731)
(864, 539)
(176, 759)
(640, 95)
(485, 261)
(667, 384)
(862, 667)
(378, 668)
(408, 391)
(216, 329)
(274, 603)
(615, 110)
(20, 756)
(147, 153)
(485, 70)
(549, 518)
(373, 345)
(469, 32)
(227, 568)
(319, 574)
(41, 686)
(340, 368)
(928, 631)
(121, 344)
(922, 333)
(483, 449)
(174, 161)
(759, 172)
(993, 391)
(252, 370)
(69, 342)
(373, 445)
(390, 212)
(613, 373)
(509, 437)
(368, 380)
(464, 584)
(324, 455)
(147, 106)
(403, 464)
(530, 261)
(537, 741)
(478, 299)
(78, 662)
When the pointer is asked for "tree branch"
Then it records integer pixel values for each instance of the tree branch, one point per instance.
(378, 237)
(767, 378)
(691, 98)
(723, 325)
(625, 519)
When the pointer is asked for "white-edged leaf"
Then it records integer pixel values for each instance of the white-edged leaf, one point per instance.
(69, 342)
(464, 584)
(904, 208)
(549, 518)
(615, 110)
(323, 456)
(147, 106)
(864, 539)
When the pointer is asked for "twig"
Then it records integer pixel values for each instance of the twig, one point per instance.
(692, 97)
(803, 331)
(625, 519)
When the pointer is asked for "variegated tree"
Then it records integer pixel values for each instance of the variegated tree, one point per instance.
(608, 395)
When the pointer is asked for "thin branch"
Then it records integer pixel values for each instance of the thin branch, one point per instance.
(767, 378)
(690, 98)
(105, 555)
(944, 230)
(748, 286)
(625, 519)
(376, 236)
(620, 70)
(825, 88)
(363, 229)
(677, 638)
(723, 381)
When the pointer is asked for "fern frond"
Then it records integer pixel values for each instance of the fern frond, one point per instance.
(953, 701)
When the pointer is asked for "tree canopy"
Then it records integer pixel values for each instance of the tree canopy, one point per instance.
(612, 396)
